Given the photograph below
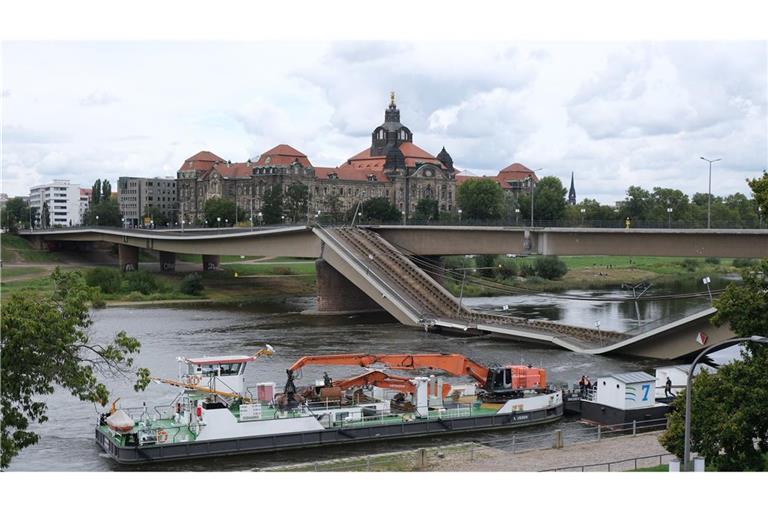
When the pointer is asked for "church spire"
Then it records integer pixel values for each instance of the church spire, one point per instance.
(392, 99)
(572, 192)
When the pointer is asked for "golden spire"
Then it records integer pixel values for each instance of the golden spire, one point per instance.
(392, 98)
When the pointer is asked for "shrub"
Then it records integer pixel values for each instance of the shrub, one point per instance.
(192, 284)
(526, 269)
(690, 264)
(713, 260)
(507, 267)
(456, 262)
(108, 280)
(141, 281)
(550, 267)
(486, 264)
(743, 262)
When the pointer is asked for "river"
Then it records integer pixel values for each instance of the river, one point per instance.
(67, 442)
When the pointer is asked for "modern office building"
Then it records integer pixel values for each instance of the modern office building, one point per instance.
(55, 204)
(147, 200)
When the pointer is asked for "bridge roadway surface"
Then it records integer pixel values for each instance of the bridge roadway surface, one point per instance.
(372, 259)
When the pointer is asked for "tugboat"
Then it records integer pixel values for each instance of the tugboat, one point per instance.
(217, 414)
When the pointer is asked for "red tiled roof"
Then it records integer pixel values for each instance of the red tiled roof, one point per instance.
(362, 164)
(514, 172)
(234, 170)
(201, 161)
(283, 154)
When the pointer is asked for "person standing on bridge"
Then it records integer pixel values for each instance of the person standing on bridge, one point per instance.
(668, 389)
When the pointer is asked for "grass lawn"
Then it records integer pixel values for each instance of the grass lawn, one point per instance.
(245, 269)
(7, 272)
(16, 249)
(662, 468)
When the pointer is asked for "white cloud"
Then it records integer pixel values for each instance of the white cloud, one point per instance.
(615, 114)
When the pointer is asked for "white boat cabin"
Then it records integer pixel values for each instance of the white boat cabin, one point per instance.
(624, 391)
(225, 374)
(678, 375)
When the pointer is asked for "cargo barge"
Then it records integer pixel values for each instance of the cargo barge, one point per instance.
(217, 414)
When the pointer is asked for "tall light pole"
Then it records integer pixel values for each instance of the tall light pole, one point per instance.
(669, 214)
(709, 193)
(687, 442)
(533, 186)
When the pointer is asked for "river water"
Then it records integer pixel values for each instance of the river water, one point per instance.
(67, 439)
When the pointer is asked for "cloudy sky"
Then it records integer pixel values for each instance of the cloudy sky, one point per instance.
(614, 114)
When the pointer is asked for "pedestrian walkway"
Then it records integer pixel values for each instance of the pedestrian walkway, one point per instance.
(598, 452)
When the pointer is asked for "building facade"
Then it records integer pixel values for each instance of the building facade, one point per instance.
(141, 199)
(392, 167)
(55, 204)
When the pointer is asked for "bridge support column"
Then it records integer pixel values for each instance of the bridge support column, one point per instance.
(210, 262)
(337, 294)
(128, 256)
(167, 261)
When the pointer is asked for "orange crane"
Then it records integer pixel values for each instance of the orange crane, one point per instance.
(497, 380)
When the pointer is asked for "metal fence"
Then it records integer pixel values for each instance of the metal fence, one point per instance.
(424, 458)
(647, 461)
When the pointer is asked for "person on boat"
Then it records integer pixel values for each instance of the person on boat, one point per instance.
(668, 389)
(582, 386)
(587, 385)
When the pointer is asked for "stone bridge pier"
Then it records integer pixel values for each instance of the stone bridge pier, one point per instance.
(211, 262)
(337, 295)
(167, 261)
(128, 256)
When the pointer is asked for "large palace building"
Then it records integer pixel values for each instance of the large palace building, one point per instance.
(392, 167)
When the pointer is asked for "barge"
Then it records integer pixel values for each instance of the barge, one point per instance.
(216, 413)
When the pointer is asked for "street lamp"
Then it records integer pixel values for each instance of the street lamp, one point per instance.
(459, 216)
(760, 217)
(583, 211)
(517, 214)
(709, 193)
(669, 214)
(728, 343)
(97, 220)
(261, 218)
(533, 187)
(282, 219)
(218, 220)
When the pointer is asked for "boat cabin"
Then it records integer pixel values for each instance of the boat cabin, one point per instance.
(678, 375)
(219, 373)
(632, 390)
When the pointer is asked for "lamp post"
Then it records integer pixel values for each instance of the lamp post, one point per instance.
(533, 187)
(282, 219)
(517, 214)
(669, 214)
(728, 343)
(760, 217)
(261, 218)
(97, 220)
(218, 222)
(459, 216)
(583, 211)
(709, 193)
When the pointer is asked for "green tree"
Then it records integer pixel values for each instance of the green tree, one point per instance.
(637, 204)
(158, 216)
(108, 280)
(219, 208)
(272, 211)
(333, 208)
(46, 217)
(106, 190)
(549, 204)
(45, 343)
(96, 193)
(377, 209)
(481, 199)
(550, 267)
(426, 210)
(759, 188)
(108, 213)
(730, 407)
(296, 199)
(15, 214)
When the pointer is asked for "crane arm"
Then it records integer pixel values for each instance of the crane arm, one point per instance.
(455, 364)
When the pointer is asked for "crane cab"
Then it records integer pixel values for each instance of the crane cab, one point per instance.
(511, 379)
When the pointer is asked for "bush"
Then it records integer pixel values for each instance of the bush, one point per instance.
(690, 264)
(507, 267)
(486, 264)
(108, 280)
(141, 281)
(550, 267)
(134, 297)
(526, 269)
(712, 260)
(743, 262)
(192, 284)
(456, 261)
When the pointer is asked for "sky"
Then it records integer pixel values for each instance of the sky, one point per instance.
(615, 114)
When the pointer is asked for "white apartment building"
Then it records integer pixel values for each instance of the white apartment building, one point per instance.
(63, 200)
